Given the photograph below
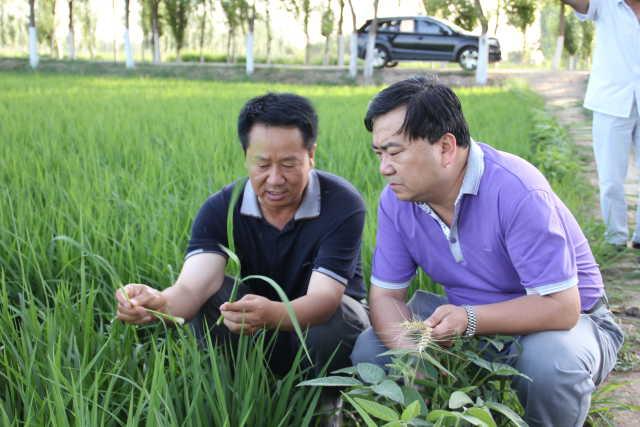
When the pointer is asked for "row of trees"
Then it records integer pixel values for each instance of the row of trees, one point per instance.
(175, 16)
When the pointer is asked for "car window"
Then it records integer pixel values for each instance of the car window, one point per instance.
(426, 27)
(407, 26)
(393, 25)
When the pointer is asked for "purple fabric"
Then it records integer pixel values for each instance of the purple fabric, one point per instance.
(515, 235)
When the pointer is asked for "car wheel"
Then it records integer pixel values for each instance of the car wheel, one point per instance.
(391, 64)
(468, 58)
(380, 56)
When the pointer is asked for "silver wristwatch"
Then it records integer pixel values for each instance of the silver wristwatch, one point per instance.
(472, 322)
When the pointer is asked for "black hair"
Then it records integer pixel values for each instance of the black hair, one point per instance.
(432, 110)
(279, 109)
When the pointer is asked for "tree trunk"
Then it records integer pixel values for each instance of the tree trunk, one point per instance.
(33, 36)
(71, 48)
(353, 45)
(340, 38)
(249, 47)
(557, 55)
(371, 42)
(525, 57)
(325, 56)
(483, 48)
(495, 28)
(203, 24)
(269, 35)
(230, 36)
(155, 32)
(115, 41)
(128, 50)
(307, 46)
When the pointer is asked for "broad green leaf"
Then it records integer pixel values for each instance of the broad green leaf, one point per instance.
(331, 381)
(363, 414)
(458, 399)
(411, 411)
(351, 370)
(441, 414)
(393, 424)
(411, 395)
(482, 414)
(420, 423)
(478, 361)
(390, 390)
(377, 410)
(473, 420)
(287, 305)
(370, 373)
(507, 412)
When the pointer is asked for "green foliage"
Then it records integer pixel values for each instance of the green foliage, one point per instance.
(433, 386)
(572, 35)
(177, 17)
(327, 21)
(461, 12)
(520, 13)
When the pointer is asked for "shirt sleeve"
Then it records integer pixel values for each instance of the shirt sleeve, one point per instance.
(209, 229)
(539, 245)
(592, 11)
(339, 251)
(393, 266)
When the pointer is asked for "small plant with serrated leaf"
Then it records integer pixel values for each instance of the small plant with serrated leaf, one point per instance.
(429, 385)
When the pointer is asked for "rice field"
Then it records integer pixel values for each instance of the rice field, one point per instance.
(120, 166)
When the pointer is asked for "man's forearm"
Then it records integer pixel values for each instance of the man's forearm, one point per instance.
(386, 316)
(309, 311)
(580, 6)
(530, 313)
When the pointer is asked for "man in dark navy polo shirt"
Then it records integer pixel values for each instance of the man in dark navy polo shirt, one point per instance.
(300, 226)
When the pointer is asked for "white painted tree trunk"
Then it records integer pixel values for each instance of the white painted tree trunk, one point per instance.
(483, 60)
(572, 62)
(249, 53)
(156, 48)
(128, 50)
(353, 57)
(33, 48)
(340, 50)
(557, 55)
(368, 58)
(71, 46)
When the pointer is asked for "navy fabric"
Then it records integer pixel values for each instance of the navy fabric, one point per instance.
(329, 243)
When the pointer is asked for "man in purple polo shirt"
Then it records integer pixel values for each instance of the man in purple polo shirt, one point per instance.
(487, 226)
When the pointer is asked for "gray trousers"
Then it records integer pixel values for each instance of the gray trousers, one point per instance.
(332, 340)
(566, 366)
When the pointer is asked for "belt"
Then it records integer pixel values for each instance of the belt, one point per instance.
(602, 301)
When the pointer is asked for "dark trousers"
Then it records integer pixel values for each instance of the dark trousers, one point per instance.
(338, 335)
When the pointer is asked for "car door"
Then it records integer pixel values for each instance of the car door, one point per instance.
(434, 40)
(403, 44)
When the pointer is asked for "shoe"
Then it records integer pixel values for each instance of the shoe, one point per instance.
(635, 245)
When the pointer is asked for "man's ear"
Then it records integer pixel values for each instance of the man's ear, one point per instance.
(448, 148)
(312, 155)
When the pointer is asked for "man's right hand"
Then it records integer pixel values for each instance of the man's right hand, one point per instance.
(132, 307)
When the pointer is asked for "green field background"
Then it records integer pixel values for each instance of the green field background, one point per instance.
(121, 166)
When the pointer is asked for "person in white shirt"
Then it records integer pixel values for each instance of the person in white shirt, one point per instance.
(613, 94)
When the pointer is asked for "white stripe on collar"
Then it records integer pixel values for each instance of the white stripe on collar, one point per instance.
(309, 207)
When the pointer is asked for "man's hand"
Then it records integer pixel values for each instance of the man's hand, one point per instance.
(132, 307)
(249, 313)
(447, 321)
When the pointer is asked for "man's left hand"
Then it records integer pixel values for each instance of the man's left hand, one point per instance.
(447, 321)
(248, 314)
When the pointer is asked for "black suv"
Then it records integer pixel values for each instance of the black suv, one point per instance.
(424, 38)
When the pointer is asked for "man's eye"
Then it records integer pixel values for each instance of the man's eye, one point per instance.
(378, 154)
(288, 165)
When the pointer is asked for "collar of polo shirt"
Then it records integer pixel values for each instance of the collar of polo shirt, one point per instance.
(309, 208)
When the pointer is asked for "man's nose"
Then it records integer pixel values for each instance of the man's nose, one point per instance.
(275, 176)
(385, 166)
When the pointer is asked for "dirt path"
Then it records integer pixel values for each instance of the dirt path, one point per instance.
(563, 93)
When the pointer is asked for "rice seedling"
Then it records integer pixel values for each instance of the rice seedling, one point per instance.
(120, 167)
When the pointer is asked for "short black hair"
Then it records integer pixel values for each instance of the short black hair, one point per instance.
(279, 109)
(432, 110)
